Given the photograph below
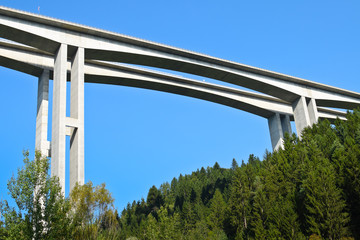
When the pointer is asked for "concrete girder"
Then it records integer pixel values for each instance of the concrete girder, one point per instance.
(103, 45)
(104, 72)
(327, 113)
(276, 111)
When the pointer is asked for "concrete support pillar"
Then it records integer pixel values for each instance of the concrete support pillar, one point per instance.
(301, 115)
(278, 125)
(276, 132)
(305, 113)
(59, 116)
(77, 113)
(313, 113)
(41, 142)
(285, 124)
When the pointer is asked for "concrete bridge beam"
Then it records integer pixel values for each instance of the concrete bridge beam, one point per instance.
(46, 33)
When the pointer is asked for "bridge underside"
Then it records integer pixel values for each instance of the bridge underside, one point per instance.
(65, 51)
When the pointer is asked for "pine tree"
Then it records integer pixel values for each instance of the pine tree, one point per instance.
(326, 215)
(234, 165)
(154, 199)
(169, 225)
(152, 231)
(217, 211)
(260, 212)
(348, 133)
(239, 204)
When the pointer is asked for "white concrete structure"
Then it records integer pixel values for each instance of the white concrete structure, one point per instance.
(63, 51)
(41, 142)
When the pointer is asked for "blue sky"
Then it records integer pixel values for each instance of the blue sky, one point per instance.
(137, 138)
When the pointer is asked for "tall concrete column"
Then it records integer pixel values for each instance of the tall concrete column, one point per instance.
(59, 116)
(301, 115)
(41, 142)
(278, 125)
(313, 113)
(42, 116)
(285, 124)
(276, 133)
(305, 113)
(77, 113)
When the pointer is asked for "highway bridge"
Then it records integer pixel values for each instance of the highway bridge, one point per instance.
(49, 48)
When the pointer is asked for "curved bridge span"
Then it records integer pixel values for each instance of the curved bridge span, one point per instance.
(53, 49)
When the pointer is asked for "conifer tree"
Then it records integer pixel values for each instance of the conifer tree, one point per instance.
(326, 215)
(154, 199)
(234, 165)
(152, 230)
(259, 212)
(239, 204)
(217, 211)
(169, 225)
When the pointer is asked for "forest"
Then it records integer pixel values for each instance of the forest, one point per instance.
(308, 190)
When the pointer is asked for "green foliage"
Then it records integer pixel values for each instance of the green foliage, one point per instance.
(308, 190)
(234, 165)
(41, 210)
(93, 214)
(154, 199)
(325, 215)
(217, 209)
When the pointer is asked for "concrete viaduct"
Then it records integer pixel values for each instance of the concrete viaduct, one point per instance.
(48, 48)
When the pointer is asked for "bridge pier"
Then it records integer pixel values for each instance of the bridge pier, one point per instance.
(42, 116)
(58, 130)
(313, 112)
(278, 125)
(77, 113)
(72, 126)
(305, 113)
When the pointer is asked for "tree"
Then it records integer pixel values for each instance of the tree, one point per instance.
(234, 165)
(217, 211)
(326, 215)
(93, 212)
(349, 152)
(3, 234)
(239, 204)
(152, 228)
(169, 225)
(41, 210)
(154, 199)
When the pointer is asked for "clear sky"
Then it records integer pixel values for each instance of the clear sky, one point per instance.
(136, 138)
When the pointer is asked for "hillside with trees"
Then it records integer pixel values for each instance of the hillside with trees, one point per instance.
(311, 189)
(308, 190)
